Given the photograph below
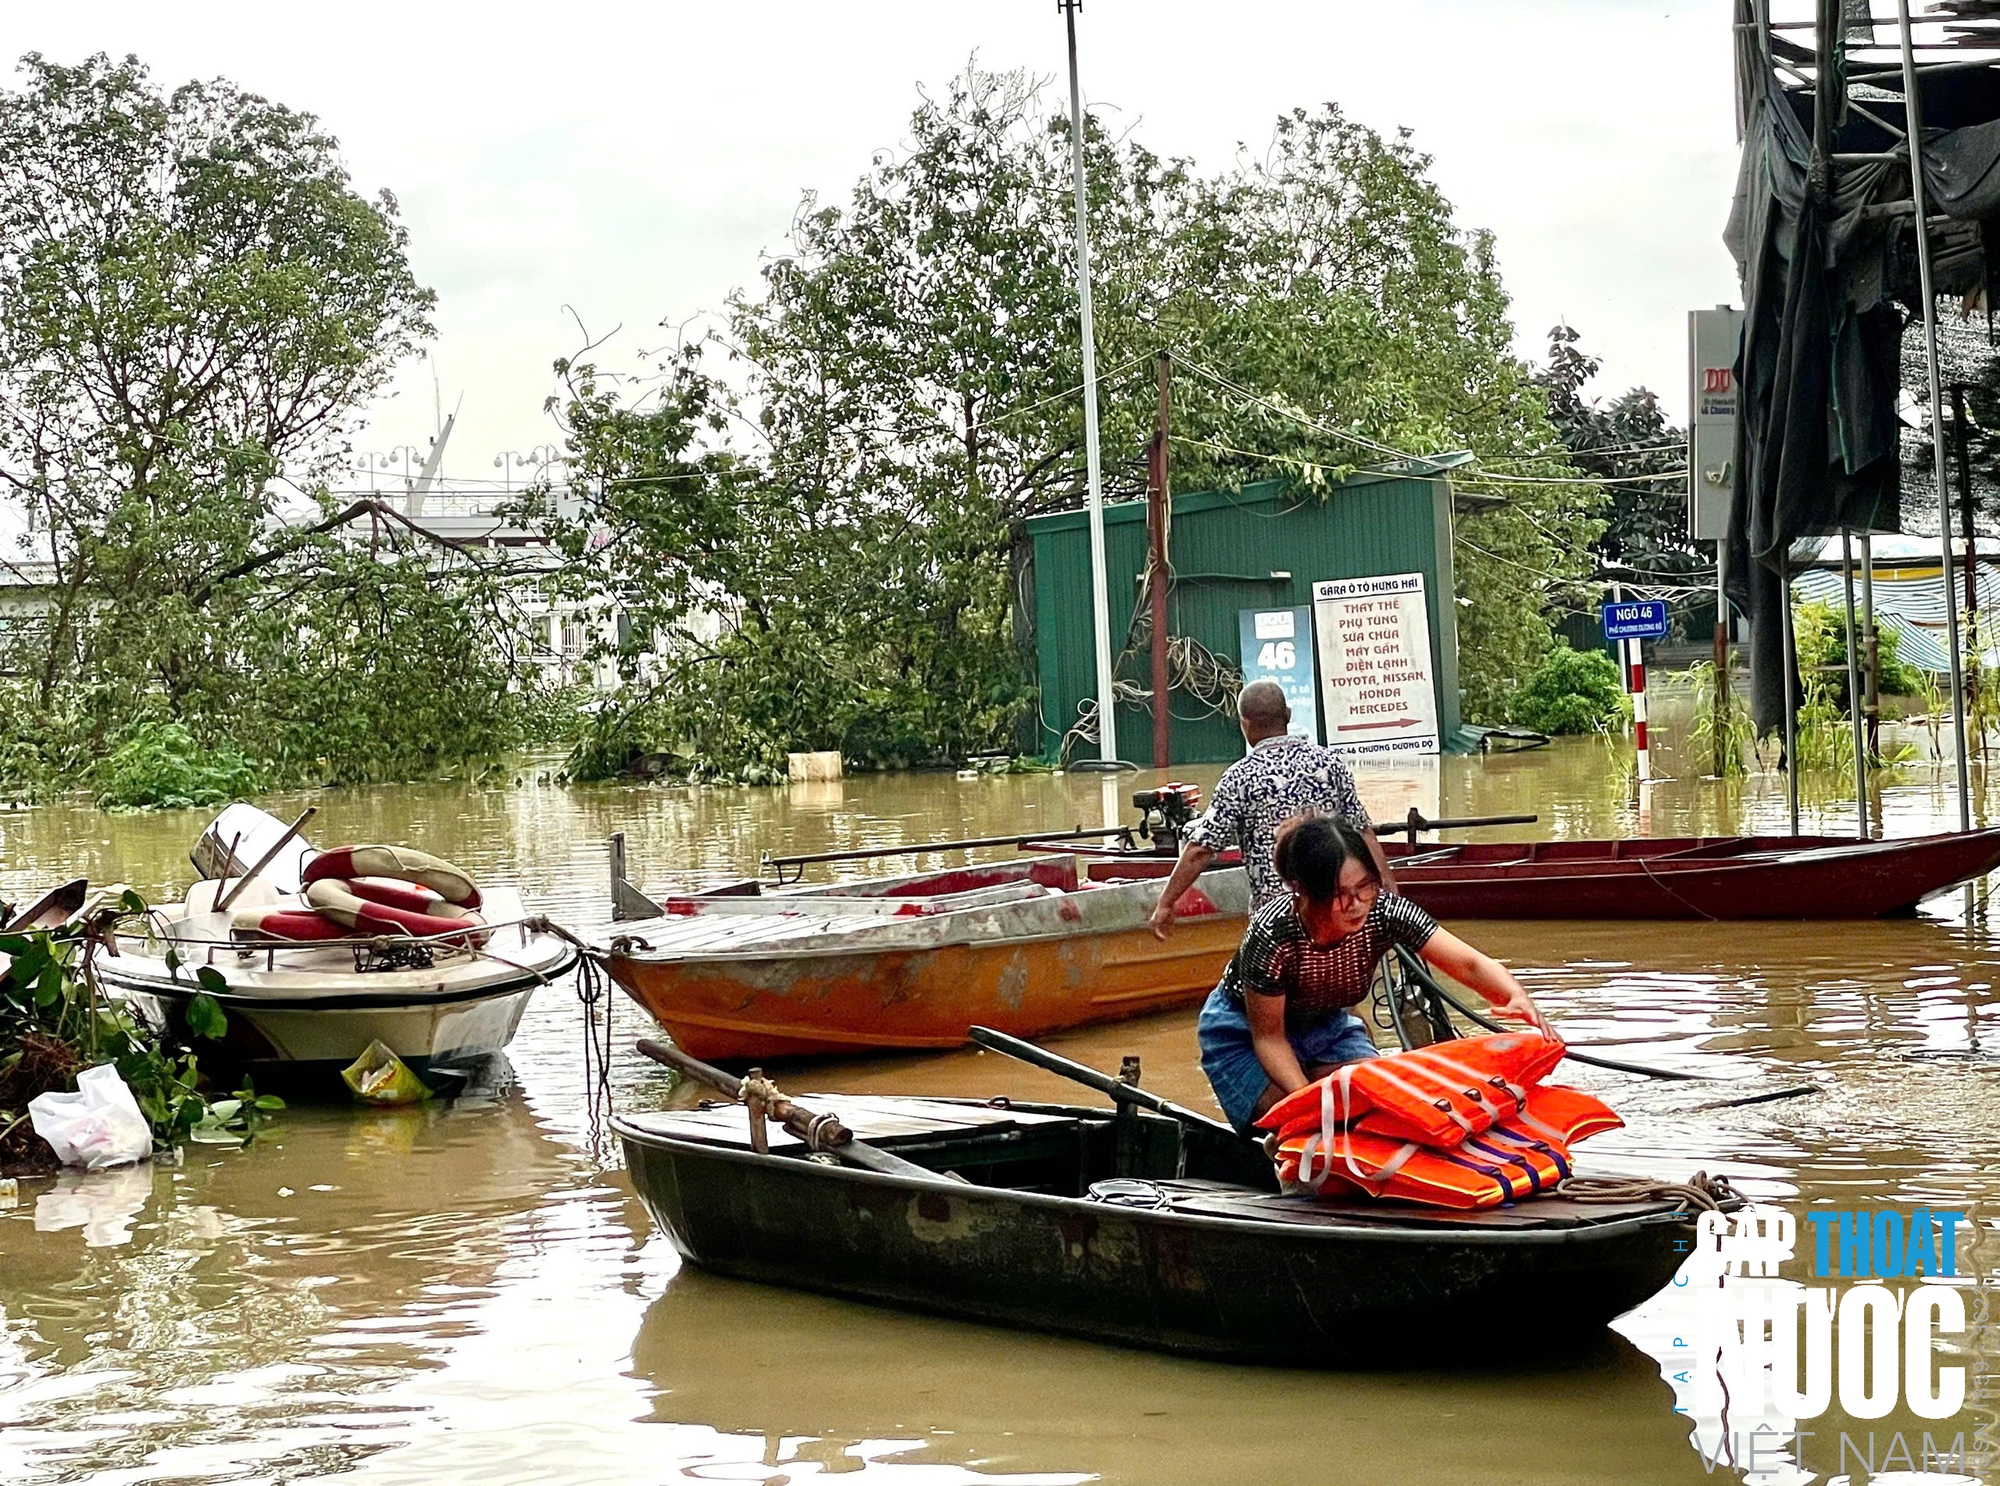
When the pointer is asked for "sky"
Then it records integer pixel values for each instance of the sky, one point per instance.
(626, 165)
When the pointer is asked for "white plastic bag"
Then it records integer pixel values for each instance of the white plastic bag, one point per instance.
(97, 1126)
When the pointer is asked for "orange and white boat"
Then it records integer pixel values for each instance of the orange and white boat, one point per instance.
(1026, 947)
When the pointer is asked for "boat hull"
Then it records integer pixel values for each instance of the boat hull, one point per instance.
(298, 1014)
(1834, 880)
(312, 1042)
(1262, 1292)
(1728, 877)
(732, 1009)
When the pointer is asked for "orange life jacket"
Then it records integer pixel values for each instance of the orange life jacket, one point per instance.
(1437, 1095)
(1501, 1164)
(1558, 1113)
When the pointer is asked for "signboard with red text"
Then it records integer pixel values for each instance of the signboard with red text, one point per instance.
(1380, 696)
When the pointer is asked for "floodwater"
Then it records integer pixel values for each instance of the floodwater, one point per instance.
(470, 1291)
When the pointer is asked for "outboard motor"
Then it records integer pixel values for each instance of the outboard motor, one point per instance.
(1166, 812)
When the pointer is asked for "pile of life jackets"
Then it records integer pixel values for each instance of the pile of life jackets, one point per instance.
(1466, 1124)
(371, 890)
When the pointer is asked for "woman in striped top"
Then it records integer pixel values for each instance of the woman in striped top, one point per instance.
(1279, 1019)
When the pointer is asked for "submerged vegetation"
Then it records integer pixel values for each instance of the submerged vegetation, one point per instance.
(54, 1024)
(160, 765)
(1571, 691)
(1724, 732)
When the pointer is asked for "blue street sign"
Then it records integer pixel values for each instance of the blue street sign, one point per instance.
(1641, 619)
(1277, 646)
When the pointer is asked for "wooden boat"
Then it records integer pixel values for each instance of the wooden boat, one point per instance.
(52, 910)
(299, 1012)
(1704, 877)
(915, 961)
(1033, 1229)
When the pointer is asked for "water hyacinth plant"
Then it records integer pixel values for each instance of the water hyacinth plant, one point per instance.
(54, 1023)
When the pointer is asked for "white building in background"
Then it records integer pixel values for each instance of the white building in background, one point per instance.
(563, 641)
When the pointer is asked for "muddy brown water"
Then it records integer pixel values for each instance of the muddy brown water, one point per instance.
(470, 1292)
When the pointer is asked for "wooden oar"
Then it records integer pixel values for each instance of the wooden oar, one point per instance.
(1415, 968)
(820, 1132)
(1104, 1083)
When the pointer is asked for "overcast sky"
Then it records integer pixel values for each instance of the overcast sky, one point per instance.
(632, 160)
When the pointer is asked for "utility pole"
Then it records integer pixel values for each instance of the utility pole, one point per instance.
(1914, 116)
(1158, 514)
(1107, 721)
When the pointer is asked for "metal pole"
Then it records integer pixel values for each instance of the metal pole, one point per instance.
(1641, 745)
(1872, 648)
(1791, 695)
(1961, 448)
(1913, 109)
(1724, 698)
(1854, 690)
(1156, 586)
(1100, 605)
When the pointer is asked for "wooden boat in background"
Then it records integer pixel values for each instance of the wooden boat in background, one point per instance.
(913, 962)
(1704, 877)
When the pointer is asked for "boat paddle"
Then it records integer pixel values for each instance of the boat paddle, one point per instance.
(1418, 971)
(1117, 1089)
(820, 1132)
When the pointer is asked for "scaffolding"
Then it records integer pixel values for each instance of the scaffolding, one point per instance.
(1860, 82)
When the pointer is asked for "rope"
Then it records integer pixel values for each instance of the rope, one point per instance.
(1709, 1193)
(591, 992)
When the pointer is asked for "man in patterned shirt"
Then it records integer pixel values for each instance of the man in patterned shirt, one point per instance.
(1282, 776)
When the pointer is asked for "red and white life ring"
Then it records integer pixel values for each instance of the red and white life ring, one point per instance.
(352, 903)
(296, 924)
(349, 862)
(375, 890)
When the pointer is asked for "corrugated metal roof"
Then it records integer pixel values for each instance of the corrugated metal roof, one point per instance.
(1913, 608)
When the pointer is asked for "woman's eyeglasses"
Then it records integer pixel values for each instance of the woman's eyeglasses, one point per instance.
(1355, 897)
(1363, 895)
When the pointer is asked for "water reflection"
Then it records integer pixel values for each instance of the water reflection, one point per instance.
(463, 1291)
(818, 1377)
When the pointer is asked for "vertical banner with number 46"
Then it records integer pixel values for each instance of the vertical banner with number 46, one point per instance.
(1277, 646)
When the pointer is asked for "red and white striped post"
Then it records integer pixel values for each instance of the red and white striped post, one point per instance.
(1635, 684)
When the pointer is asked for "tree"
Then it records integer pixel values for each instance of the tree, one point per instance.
(909, 402)
(194, 306)
(1623, 441)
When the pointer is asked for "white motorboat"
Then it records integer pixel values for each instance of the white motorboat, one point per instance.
(304, 1007)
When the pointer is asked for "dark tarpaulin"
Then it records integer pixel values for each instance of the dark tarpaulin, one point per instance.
(1829, 276)
(1818, 369)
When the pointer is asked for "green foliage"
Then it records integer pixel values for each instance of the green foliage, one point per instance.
(1721, 728)
(53, 1023)
(160, 766)
(911, 364)
(1821, 631)
(1571, 691)
(1645, 520)
(195, 302)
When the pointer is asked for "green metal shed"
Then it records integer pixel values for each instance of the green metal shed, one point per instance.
(1261, 547)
